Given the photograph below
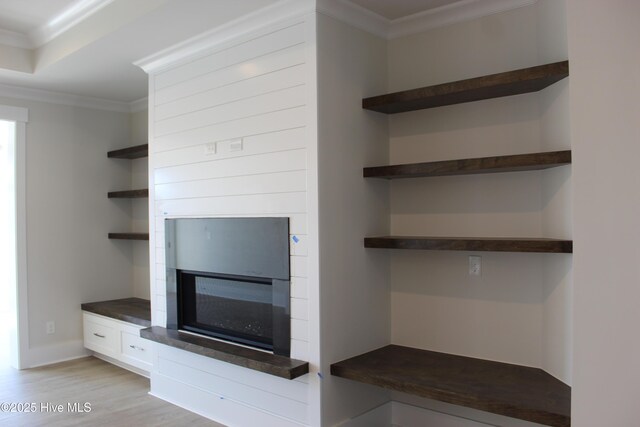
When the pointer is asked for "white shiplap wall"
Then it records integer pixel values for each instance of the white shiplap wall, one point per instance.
(255, 88)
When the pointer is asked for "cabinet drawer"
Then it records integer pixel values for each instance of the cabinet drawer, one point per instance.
(135, 347)
(100, 337)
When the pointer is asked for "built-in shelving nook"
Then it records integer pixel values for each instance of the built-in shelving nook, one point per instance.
(129, 153)
(509, 389)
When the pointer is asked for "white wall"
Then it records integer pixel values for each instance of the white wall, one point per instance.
(518, 311)
(69, 258)
(260, 87)
(354, 281)
(140, 207)
(605, 90)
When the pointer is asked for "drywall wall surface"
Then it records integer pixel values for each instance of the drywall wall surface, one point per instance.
(605, 89)
(69, 258)
(140, 207)
(514, 311)
(354, 281)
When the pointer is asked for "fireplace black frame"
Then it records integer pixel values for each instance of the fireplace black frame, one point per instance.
(251, 250)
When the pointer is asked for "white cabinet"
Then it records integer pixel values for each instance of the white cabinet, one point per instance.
(117, 340)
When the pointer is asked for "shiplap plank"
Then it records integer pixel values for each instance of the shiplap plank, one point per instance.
(254, 125)
(202, 85)
(248, 107)
(264, 204)
(300, 330)
(236, 166)
(242, 52)
(299, 309)
(215, 406)
(298, 244)
(246, 87)
(279, 182)
(299, 288)
(299, 350)
(288, 139)
(286, 388)
(299, 266)
(231, 389)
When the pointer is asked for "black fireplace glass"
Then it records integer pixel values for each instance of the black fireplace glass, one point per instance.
(234, 308)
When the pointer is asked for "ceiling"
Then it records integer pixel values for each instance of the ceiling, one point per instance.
(87, 47)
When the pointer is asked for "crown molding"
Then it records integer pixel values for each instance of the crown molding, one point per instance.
(138, 105)
(50, 97)
(196, 46)
(461, 11)
(355, 15)
(15, 39)
(65, 21)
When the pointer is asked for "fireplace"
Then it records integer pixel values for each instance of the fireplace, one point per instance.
(228, 278)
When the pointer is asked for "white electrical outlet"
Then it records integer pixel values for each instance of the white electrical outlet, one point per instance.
(475, 265)
(51, 327)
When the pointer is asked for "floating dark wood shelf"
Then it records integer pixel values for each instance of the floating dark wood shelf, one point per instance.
(515, 163)
(268, 363)
(470, 244)
(515, 391)
(492, 86)
(136, 152)
(132, 310)
(129, 194)
(129, 236)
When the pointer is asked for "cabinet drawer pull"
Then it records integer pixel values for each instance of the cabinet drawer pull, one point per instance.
(135, 347)
(98, 335)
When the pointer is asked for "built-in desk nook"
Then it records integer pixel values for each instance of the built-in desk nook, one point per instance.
(112, 332)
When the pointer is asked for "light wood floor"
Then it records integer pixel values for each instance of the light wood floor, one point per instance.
(117, 397)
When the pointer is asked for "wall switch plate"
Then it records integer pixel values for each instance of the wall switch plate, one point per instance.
(51, 327)
(210, 148)
(235, 145)
(475, 265)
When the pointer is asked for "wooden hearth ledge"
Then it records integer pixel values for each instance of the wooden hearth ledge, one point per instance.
(268, 363)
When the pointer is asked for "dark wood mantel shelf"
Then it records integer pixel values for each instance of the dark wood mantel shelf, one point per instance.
(515, 391)
(129, 236)
(129, 194)
(136, 152)
(481, 165)
(268, 363)
(508, 244)
(486, 87)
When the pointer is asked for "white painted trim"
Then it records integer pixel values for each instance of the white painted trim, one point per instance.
(120, 364)
(50, 354)
(254, 21)
(63, 98)
(22, 294)
(14, 114)
(139, 105)
(461, 11)
(15, 39)
(65, 20)
(355, 15)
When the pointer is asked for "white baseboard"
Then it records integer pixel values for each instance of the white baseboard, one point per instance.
(122, 365)
(50, 354)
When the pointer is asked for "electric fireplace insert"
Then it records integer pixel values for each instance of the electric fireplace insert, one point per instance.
(228, 278)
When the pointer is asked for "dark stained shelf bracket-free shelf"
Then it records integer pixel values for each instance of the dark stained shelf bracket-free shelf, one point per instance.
(514, 391)
(481, 165)
(129, 194)
(280, 366)
(470, 244)
(492, 86)
(136, 152)
(129, 236)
